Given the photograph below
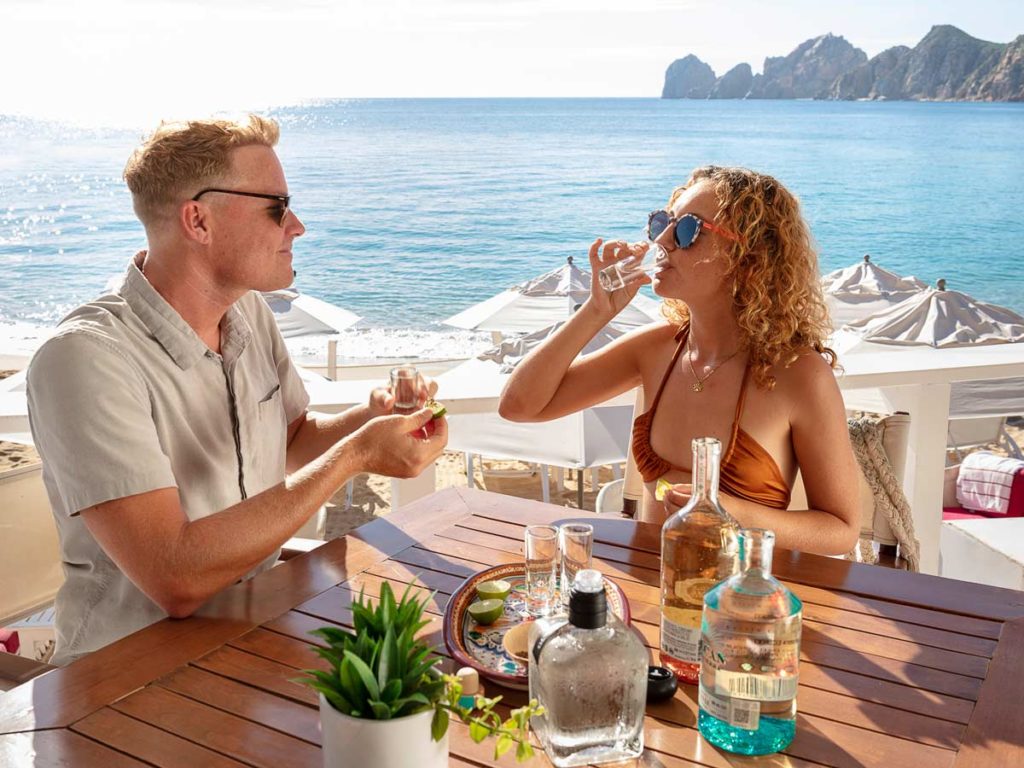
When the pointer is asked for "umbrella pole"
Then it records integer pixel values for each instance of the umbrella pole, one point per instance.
(579, 489)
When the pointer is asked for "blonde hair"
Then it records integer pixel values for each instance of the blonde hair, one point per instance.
(777, 296)
(179, 158)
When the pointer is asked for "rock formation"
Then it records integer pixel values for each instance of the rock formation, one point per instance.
(948, 64)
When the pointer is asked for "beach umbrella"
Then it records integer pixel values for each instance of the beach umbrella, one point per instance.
(299, 314)
(863, 289)
(544, 301)
(941, 318)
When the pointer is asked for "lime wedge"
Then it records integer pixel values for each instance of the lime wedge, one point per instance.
(437, 409)
(486, 611)
(493, 590)
(662, 487)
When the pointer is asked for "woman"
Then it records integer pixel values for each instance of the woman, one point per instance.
(741, 357)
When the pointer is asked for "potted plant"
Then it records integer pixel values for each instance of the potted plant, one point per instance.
(384, 703)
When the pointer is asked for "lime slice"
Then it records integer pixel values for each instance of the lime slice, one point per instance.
(493, 590)
(661, 488)
(486, 611)
(437, 409)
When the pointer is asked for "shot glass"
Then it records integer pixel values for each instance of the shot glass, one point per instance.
(577, 545)
(405, 388)
(626, 271)
(541, 550)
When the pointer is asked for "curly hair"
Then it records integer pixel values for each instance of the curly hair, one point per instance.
(181, 157)
(777, 297)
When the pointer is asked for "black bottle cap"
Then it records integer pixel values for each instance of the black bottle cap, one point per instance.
(588, 603)
(661, 684)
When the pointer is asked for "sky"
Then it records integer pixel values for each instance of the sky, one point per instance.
(129, 61)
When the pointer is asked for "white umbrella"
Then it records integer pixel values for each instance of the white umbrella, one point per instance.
(863, 289)
(543, 301)
(940, 318)
(299, 314)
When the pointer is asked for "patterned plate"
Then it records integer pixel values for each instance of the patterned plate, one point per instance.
(473, 645)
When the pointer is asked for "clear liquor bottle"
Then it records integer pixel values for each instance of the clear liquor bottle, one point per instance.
(590, 675)
(750, 643)
(698, 550)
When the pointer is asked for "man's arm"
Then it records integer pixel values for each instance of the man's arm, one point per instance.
(180, 564)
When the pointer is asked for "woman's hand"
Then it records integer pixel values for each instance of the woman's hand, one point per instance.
(604, 254)
(677, 497)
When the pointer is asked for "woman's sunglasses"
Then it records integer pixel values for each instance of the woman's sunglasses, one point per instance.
(688, 228)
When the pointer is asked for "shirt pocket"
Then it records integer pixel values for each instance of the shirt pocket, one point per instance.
(271, 436)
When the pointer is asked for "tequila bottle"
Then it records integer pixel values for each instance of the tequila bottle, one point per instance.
(590, 675)
(698, 550)
(750, 645)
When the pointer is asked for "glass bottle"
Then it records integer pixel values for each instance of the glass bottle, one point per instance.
(590, 675)
(750, 643)
(698, 550)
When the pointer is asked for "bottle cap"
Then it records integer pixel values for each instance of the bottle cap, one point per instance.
(588, 604)
(470, 681)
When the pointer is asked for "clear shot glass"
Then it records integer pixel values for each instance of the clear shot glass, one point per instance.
(628, 270)
(577, 545)
(541, 550)
(405, 388)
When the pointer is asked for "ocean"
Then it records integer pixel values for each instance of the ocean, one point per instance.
(416, 209)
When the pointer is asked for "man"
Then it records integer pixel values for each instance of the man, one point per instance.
(177, 450)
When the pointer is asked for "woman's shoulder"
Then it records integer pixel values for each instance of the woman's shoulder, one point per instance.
(808, 371)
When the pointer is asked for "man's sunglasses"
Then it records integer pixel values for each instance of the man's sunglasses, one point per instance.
(279, 212)
(688, 228)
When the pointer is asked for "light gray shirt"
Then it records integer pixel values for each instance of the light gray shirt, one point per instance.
(126, 398)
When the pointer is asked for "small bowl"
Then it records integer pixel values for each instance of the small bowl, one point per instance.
(516, 642)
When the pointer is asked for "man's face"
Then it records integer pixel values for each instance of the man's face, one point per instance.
(252, 248)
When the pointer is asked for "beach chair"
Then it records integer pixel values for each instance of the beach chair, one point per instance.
(967, 434)
(30, 564)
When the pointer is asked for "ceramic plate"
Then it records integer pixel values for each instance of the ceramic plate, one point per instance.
(480, 647)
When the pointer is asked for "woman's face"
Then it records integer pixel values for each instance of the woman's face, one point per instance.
(696, 274)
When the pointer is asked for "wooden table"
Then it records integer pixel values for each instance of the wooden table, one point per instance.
(898, 669)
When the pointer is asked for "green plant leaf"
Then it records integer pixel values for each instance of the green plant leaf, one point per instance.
(365, 675)
(390, 692)
(503, 745)
(478, 731)
(439, 724)
(353, 690)
(388, 654)
(408, 705)
(381, 711)
(388, 609)
(524, 751)
(333, 635)
(337, 701)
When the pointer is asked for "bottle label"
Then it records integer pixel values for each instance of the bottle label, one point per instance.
(753, 660)
(739, 713)
(743, 685)
(680, 638)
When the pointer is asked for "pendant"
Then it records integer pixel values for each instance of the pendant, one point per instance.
(698, 386)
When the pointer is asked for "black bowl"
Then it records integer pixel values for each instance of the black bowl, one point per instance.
(661, 684)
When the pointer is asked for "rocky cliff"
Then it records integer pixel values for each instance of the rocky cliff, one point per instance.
(688, 78)
(948, 64)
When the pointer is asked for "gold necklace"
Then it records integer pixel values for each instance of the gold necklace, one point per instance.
(698, 384)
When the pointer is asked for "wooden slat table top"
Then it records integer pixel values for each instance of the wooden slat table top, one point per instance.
(898, 669)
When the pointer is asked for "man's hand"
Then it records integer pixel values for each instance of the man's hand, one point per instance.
(394, 446)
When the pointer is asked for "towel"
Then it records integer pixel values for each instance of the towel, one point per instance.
(985, 482)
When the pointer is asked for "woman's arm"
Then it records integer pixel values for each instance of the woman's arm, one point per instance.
(550, 382)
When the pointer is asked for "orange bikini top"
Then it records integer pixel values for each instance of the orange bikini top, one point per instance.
(747, 471)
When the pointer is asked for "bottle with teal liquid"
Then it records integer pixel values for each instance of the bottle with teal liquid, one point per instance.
(750, 654)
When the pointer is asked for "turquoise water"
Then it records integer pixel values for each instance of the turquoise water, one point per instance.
(418, 208)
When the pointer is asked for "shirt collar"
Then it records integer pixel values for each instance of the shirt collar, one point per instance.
(176, 336)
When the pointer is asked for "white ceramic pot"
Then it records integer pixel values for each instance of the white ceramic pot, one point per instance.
(402, 743)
